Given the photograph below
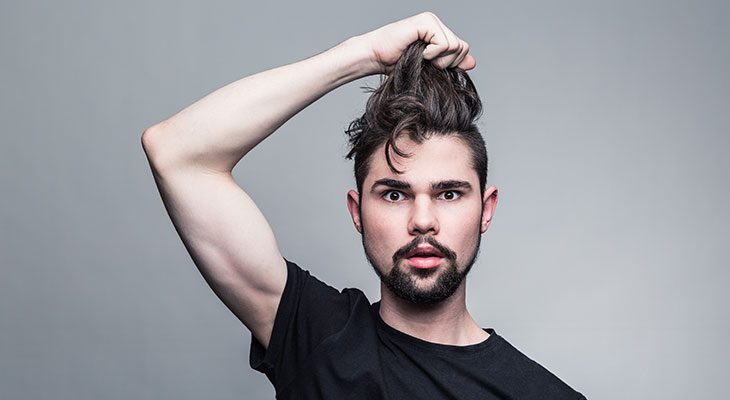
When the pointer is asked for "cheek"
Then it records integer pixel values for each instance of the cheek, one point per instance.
(463, 227)
(380, 233)
(384, 220)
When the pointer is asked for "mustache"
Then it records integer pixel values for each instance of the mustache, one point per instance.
(403, 251)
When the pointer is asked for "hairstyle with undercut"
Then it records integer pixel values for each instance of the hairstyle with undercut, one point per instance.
(419, 100)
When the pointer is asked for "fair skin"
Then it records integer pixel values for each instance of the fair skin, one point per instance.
(192, 155)
(455, 214)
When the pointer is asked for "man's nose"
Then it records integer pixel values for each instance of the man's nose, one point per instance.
(423, 218)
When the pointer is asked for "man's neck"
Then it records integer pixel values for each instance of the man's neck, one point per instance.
(447, 322)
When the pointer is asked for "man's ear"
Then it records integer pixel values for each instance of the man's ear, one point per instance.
(353, 204)
(489, 203)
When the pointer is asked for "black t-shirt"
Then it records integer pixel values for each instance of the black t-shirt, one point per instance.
(327, 344)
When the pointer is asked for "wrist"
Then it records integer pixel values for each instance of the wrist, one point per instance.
(355, 59)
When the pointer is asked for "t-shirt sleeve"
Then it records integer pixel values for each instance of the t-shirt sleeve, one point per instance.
(309, 311)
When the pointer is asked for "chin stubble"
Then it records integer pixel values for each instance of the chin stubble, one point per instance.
(402, 283)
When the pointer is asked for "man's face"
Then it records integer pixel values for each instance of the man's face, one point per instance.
(421, 229)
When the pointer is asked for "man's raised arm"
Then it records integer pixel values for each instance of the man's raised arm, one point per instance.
(193, 153)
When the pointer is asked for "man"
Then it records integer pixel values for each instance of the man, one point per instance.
(421, 207)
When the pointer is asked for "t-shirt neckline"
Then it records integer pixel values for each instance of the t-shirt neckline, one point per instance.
(487, 344)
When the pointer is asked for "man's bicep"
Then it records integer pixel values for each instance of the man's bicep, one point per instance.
(229, 241)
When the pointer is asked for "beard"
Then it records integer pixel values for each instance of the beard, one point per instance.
(401, 281)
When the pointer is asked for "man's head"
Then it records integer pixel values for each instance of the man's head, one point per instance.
(420, 167)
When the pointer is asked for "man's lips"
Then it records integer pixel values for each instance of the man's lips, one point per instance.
(424, 262)
(424, 251)
(424, 257)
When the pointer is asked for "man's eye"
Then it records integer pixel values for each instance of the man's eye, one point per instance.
(393, 196)
(449, 195)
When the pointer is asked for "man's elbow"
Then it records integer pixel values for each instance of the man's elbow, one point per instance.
(150, 136)
(153, 146)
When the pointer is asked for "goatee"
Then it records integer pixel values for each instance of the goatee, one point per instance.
(402, 283)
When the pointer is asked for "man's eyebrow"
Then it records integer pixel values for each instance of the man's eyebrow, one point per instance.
(443, 185)
(451, 184)
(395, 184)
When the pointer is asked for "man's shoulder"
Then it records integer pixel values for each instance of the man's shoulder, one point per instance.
(309, 315)
(300, 279)
(516, 366)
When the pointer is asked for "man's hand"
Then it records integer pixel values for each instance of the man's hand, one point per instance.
(444, 49)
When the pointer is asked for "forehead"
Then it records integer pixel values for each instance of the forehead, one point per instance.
(436, 159)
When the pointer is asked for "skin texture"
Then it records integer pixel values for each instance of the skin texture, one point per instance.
(389, 219)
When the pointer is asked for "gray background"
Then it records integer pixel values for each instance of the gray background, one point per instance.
(607, 127)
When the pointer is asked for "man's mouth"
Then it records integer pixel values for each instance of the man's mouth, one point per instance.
(424, 257)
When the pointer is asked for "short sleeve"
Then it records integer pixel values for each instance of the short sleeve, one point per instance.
(309, 311)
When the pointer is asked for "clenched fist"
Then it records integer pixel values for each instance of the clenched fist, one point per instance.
(445, 49)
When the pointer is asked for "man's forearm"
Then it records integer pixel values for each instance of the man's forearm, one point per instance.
(218, 130)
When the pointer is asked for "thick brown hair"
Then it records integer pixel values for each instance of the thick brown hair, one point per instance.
(418, 99)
